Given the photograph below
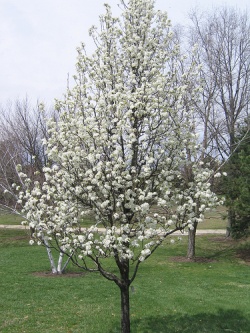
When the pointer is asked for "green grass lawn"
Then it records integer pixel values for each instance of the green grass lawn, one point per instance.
(215, 219)
(169, 294)
(10, 219)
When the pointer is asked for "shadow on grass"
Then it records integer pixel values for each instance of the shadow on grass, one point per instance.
(223, 321)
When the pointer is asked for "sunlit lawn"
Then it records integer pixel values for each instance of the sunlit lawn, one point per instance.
(10, 219)
(215, 219)
(169, 295)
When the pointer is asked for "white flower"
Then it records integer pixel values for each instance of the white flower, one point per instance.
(217, 175)
(145, 207)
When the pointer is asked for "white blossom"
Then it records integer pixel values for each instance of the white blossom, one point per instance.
(119, 146)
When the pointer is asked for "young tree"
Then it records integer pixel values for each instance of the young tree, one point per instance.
(120, 146)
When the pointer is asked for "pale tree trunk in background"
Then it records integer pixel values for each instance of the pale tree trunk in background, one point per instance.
(51, 259)
(191, 241)
(58, 268)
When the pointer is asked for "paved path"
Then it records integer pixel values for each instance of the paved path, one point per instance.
(177, 233)
(12, 226)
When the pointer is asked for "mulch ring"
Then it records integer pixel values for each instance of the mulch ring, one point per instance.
(242, 253)
(196, 259)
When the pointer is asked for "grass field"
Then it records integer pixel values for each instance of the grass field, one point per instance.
(10, 219)
(170, 295)
(215, 219)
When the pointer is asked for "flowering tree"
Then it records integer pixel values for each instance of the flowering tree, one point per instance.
(121, 146)
(21, 148)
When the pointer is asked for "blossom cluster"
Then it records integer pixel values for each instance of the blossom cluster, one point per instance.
(121, 146)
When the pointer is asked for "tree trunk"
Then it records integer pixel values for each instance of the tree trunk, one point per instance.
(191, 242)
(125, 310)
(51, 259)
(124, 284)
(230, 221)
(59, 263)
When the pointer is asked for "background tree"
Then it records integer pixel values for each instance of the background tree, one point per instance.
(119, 148)
(223, 48)
(199, 123)
(237, 185)
(23, 128)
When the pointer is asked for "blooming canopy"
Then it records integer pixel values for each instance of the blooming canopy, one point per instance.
(120, 148)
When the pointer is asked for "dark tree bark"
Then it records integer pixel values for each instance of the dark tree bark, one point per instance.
(125, 308)
(124, 284)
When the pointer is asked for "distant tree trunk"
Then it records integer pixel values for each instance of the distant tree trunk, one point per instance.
(51, 259)
(230, 221)
(60, 268)
(191, 241)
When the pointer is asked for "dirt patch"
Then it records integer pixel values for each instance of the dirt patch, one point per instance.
(224, 240)
(244, 254)
(17, 238)
(67, 274)
(196, 259)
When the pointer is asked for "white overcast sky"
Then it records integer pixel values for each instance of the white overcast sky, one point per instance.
(38, 40)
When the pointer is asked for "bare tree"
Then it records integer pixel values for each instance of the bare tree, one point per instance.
(222, 38)
(24, 126)
(187, 60)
